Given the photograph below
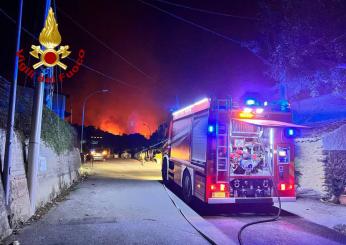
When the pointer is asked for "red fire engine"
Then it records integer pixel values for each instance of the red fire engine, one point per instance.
(222, 153)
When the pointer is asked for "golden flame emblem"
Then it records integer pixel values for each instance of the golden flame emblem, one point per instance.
(50, 38)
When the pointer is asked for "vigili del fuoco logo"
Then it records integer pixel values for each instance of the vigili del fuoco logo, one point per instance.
(49, 39)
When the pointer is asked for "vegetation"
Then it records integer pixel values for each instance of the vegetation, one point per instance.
(305, 55)
(335, 168)
(57, 133)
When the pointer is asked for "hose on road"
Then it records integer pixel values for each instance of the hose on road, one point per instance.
(265, 220)
(211, 241)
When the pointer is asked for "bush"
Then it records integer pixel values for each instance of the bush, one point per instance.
(57, 133)
(335, 172)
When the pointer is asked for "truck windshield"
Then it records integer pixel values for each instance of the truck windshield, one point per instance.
(250, 150)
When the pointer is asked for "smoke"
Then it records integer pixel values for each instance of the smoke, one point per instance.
(112, 125)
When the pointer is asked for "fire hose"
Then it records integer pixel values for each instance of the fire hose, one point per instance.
(265, 220)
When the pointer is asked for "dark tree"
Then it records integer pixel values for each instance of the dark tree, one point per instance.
(304, 45)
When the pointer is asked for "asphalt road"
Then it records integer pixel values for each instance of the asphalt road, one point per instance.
(290, 229)
(122, 203)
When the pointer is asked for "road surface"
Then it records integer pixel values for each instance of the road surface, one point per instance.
(123, 202)
(290, 229)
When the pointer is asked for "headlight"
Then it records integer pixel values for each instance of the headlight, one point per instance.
(92, 153)
(104, 153)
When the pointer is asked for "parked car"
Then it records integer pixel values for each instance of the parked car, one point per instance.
(125, 155)
(99, 154)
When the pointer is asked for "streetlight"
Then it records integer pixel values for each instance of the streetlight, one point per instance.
(84, 102)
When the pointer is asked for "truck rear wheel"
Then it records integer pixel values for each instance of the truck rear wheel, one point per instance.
(187, 188)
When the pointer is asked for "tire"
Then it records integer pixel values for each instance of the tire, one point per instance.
(187, 187)
(164, 172)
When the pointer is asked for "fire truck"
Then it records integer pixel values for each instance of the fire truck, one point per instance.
(221, 152)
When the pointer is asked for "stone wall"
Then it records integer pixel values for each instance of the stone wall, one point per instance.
(320, 158)
(4, 225)
(309, 164)
(56, 172)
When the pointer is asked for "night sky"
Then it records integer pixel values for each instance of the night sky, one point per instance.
(176, 62)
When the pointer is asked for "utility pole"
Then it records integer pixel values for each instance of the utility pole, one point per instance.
(71, 110)
(35, 137)
(6, 175)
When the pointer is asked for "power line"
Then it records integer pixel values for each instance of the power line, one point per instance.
(105, 45)
(105, 75)
(83, 65)
(206, 11)
(240, 43)
(191, 23)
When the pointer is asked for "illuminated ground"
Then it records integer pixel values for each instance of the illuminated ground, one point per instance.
(122, 202)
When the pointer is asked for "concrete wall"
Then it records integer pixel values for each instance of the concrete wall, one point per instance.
(55, 173)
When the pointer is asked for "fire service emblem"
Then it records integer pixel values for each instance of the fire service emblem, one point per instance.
(50, 38)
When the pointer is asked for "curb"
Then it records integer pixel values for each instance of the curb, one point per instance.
(204, 226)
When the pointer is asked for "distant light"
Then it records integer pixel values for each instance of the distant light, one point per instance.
(247, 110)
(210, 128)
(282, 187)
(212, 187)
(259, 110)
(265, 103)
(222, 187)
(250, 102)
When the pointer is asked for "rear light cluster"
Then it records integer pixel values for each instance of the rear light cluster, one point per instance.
(218, 187)
(219, 190)
(285, 187)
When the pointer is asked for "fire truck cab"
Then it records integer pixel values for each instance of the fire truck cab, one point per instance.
(220, 152)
